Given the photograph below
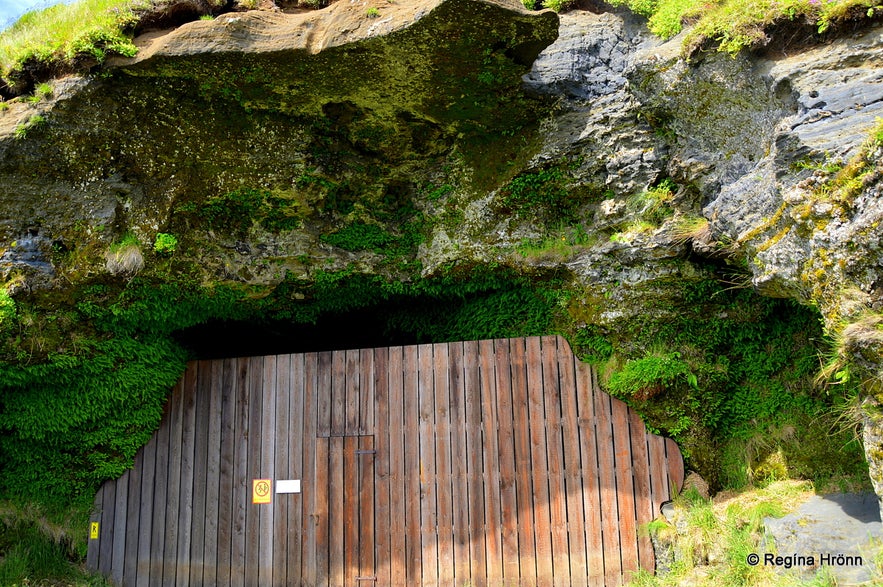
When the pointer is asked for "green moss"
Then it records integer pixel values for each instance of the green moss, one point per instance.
(716, 366)
(541, 195)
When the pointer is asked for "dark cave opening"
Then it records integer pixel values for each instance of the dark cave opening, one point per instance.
(363, 328)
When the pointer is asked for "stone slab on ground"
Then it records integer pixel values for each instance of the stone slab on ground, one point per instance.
(823, 528)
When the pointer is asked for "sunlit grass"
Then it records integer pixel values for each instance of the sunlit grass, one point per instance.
(716, 536)
(62, 32)
(737, 24)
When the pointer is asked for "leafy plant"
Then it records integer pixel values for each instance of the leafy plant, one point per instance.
(7, 310)
(34, 122)
(41, 92)
(372, 12)
(540, 193)
(359, 236)
(651, 375)
(165, 244)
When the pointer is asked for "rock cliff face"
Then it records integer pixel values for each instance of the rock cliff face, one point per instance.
(449, 139)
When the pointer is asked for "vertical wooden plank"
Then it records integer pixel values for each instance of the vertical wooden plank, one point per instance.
(120, 523)
(366, 535)
(538, 463)
(382, 474)
(188, 445)
(658, 472)
(133, 519)
(523, 467)
(323, 394)
(297, 413)
(336, 513)
(253, 514)
(200, 466)
(443, 465)
(281, 439)
(483, 466)
(352, 393)
(310, 486)
(643, 496)
(411, 419)
(267, 469)
(591, 475)
(625, 489)
(610, 517)
(367, 393)
(460, 498)
(160, 496)
(145, 523)
(323, 506)
(572, 467)
(176, 440)
(338, 393)
(226, 458)
(350, 480)
(399, 557)
(241, 473)
(675, 467)
(513, 442)
(106, 528)
(555, 459)
(428, 490)
(213, 475)
(93, 544)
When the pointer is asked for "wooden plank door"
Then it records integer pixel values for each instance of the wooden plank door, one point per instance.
(345, 473)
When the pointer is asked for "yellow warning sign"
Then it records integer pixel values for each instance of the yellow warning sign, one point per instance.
(93, 531)
(260, 491)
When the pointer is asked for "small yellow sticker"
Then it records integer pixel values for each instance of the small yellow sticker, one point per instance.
(260, 491)
(93, 531)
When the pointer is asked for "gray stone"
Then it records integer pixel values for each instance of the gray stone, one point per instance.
(835, 524)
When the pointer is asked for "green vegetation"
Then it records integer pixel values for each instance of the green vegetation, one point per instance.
(542, 195)
(165, 244)
(41, 92)
(34, 122)
(733, 25)
(124, 257)
(845, 182)
(727, 371)
(59, 35)
(691, 228)
(558, 5)
(37, 549)
(238, 210)
(715, 537)
(653, 205)
(372, 12)
(7, 310)
(559, 246)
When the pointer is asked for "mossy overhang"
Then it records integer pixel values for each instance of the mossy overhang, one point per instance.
(445, 61)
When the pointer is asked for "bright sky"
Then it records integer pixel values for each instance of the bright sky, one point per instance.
(10, 10)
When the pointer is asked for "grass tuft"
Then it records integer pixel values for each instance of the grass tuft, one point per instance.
(733, 25)
(64, 36)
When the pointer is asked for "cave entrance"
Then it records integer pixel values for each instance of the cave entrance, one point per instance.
(362, 328)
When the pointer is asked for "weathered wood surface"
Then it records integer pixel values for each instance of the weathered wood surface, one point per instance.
(496, 462)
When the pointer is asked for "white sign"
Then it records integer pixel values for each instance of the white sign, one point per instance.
(288, 486)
